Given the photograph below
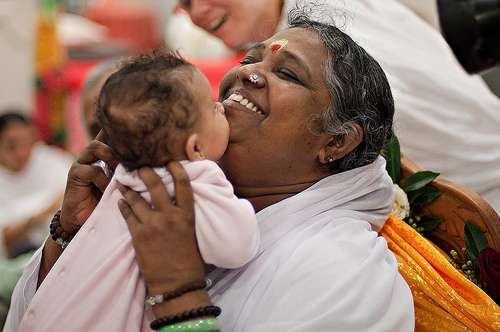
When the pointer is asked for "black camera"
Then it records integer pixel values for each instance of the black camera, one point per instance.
(472, 29)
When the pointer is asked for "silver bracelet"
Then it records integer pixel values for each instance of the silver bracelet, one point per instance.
(62, 243)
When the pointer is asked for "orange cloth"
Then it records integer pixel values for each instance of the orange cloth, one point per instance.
(444, 299)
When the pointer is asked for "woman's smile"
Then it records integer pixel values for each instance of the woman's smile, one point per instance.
(217, 23)
(243, 102)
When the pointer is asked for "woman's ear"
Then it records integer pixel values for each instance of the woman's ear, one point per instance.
(337, 148)
(193, 151)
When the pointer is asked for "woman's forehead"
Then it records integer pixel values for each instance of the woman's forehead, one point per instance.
(303, 43)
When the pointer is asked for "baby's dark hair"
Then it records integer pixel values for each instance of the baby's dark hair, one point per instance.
(144, 108)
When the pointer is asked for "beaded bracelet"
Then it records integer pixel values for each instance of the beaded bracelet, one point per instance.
(186, 316)
(160, 298)
(58, 234)
(200, 325)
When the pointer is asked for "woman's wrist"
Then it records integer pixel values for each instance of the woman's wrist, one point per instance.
(52, 248)
(182, 303)
(58, 232)
(50, 254)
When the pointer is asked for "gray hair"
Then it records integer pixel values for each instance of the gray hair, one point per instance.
(359, 90)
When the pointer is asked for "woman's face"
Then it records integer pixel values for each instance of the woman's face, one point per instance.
(16, 143)
(276, 144)
(235, 22)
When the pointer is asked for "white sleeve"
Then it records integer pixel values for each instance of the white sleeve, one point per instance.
(23, 292)
(226, 231)
(226, 226)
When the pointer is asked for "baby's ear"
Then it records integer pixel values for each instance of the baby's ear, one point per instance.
(192, 149)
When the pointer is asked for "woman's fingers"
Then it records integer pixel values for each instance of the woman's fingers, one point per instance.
(101, 137)
(159, 195)
(98, 151)
(139, 206)
(132, 222)
(86, 174)
(100, 180)
(183, 191)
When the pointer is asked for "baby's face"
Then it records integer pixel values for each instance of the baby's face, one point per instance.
(211, 125)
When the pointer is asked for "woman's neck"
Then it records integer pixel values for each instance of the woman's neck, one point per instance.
(262, 197)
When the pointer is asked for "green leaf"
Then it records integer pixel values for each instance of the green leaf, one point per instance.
(419, 180)
(429, 223)
(475, 241)
(423, 196)
(392, 155)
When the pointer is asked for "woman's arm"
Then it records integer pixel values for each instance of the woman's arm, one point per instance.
(84, 189)
(166, 228)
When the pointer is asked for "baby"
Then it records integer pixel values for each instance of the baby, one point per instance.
(153, 110)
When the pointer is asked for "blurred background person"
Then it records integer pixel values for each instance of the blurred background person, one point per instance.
(446, 120)
(32, 181)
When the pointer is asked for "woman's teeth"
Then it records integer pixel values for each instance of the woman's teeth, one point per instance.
(243, 101)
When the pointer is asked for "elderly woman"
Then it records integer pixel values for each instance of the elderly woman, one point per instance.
(308, 162)
(435, 100)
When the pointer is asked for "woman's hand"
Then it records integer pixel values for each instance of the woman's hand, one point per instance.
(163, 235)
(86, 184)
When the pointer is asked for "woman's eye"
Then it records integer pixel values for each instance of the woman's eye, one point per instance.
(247, 60)
(288, 75)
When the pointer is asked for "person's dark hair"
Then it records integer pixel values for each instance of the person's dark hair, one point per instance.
(12, 116)
(359, 90)
(142, 107)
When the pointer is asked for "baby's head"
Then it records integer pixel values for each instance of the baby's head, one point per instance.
(159, 108)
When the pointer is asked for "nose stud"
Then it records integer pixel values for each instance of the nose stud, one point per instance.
(253, 78)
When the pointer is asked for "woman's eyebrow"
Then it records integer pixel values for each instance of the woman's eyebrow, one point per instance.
(287, 54)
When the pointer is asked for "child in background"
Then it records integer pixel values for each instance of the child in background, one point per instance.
(153, 110)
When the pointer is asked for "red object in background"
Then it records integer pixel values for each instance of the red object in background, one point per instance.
(75, 71)
(126, 21)
(74, 75)
(216, 69)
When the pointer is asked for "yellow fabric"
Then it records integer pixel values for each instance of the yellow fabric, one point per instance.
(444, 299)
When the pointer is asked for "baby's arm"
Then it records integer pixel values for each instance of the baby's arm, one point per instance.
(226, 227)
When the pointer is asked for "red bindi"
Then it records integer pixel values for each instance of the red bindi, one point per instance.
(278, 45)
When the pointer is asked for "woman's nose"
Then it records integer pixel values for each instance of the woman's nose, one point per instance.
(251, 76)
(198, 11)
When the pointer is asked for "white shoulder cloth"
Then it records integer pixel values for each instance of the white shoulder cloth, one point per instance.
(321, 265)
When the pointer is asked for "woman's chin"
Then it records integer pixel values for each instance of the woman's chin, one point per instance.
(242, 123)
(232, 37)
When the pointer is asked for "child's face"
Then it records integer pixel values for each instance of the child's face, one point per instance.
(211, 125)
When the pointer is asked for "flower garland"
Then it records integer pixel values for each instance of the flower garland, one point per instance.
(481, 264)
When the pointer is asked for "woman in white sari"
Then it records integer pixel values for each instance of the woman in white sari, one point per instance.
(309, 162)
(436, 100)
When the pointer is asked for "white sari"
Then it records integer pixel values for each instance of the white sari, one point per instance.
(321, 265)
